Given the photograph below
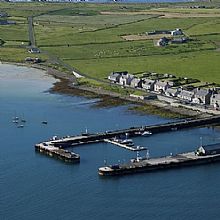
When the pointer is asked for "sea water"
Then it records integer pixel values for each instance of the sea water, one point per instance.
(34, 186)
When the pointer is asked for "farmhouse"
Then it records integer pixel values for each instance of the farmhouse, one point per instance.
(176, 32)
(34, 50)
(181, 40)
(6, 22)
(162, 42)
(3, 14)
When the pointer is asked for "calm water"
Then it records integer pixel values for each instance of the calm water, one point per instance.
(33, 186)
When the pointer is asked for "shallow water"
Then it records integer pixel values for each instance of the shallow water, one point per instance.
(34, 186)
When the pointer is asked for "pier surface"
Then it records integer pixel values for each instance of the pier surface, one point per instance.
(132, 148)
(145, 165)
(71, 141)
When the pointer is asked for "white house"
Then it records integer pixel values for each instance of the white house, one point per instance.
(148, 84)
(186, 95)
(172, 92)
(125, 79)
(135, 83)
(176, 32)
(161, 86)
(114, 77)
(215, 101)
(202, 96)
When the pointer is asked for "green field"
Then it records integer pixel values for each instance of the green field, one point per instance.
(202, 65)
(87, 39)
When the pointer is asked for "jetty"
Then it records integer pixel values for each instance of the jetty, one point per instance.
(56, 152)
(108, 136)
(126, 146)
(203, 155)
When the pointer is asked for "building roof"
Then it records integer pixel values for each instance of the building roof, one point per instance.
(216, 96)
(186, 93)
(202, 92)
(135, 80)
(148, 81)
(121, 72)
(113, 76)
(211, 147)
(172, 90)
(161, 83)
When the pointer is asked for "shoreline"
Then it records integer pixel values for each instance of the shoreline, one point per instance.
(67, 85)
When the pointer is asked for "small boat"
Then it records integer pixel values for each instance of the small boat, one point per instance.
(130, 144)
(146, 133)
(126, 141)
(20, 126)
(22, 119)
(44, 122)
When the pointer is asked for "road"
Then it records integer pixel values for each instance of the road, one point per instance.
(31, 32)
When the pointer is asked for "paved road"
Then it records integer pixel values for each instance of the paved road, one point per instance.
(31, 32)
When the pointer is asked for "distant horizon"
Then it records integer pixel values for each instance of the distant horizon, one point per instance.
(108, 1)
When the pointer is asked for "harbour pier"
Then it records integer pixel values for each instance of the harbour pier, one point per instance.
(107, 136)
(56, 152)
(203, 155)
(132, 148)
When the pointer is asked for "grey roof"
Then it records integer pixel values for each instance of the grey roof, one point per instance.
(216, 96)
(161, 83)
(127, 76)
(121, 72)
(171, 90)
(135, 80)
(202, 92)
(113, 74)
(186, 93)
(211, 147)
(148, 81)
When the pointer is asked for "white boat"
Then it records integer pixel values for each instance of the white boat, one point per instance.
(146, 133)
(126, 141)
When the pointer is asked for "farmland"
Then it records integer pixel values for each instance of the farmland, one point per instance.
(89, 37)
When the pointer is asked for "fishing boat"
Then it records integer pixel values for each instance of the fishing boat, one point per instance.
(146, 133)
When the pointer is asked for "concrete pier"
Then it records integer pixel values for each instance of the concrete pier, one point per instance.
(56, 152)
(132, 148)
(108, 136)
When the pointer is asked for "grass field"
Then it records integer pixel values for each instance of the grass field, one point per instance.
(200, 65)
(89, 37)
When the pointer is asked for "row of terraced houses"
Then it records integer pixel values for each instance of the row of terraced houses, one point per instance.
(202, 96)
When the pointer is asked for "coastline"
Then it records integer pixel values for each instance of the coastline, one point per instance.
(67, 84)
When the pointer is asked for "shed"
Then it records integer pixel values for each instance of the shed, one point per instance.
(208, 149)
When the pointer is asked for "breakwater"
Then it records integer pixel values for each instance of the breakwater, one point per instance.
(146, 165)
(71, 141)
